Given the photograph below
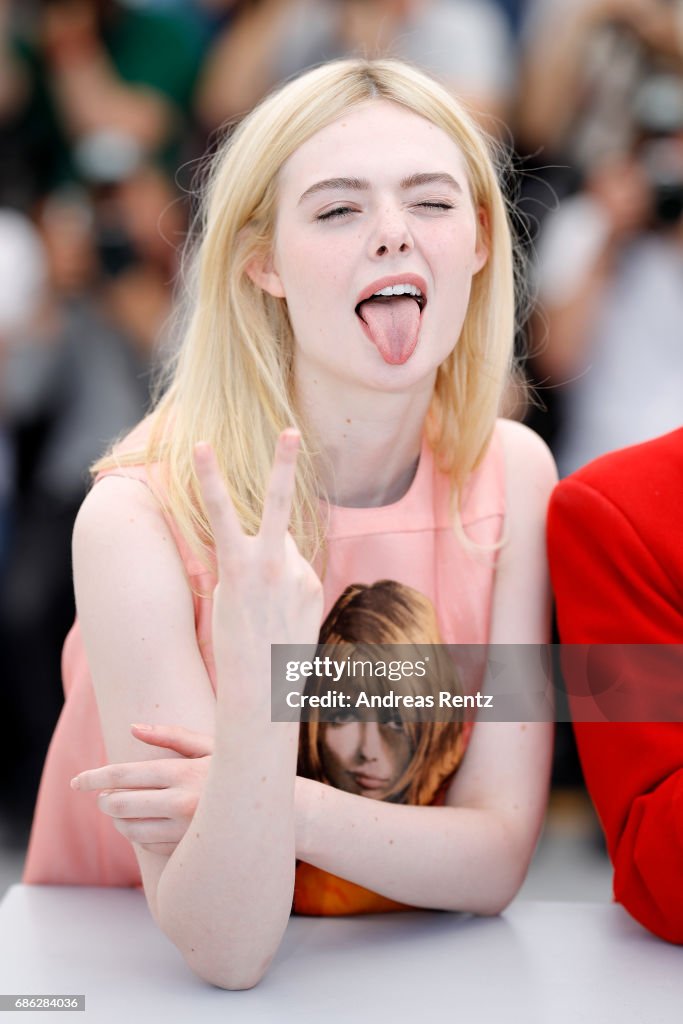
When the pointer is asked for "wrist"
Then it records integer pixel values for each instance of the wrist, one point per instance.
(309, 797)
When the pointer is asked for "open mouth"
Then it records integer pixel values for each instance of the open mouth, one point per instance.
(391, 320)
(389, 295)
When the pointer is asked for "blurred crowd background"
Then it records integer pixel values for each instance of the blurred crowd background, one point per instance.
(106, 111)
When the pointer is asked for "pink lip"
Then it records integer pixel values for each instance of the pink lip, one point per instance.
(385, 282)
(369, 781)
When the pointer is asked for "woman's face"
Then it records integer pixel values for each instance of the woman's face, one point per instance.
(365, 758)
(377, 199)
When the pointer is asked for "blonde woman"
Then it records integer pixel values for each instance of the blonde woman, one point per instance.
(331, 419)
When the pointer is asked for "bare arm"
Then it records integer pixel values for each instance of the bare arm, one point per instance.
(473, 854)
(224, 896)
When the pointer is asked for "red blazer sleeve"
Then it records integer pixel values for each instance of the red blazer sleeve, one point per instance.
(610, 588)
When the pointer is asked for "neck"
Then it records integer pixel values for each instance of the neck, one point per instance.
(369, 441)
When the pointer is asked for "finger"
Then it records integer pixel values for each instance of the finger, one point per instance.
(277, 507)
(139, 804)
(175, 737)
(158, 774)
(220, 511)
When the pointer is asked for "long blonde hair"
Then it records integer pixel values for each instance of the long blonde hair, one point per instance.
(231, 381)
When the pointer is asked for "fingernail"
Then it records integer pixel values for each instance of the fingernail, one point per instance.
(141, 728)
(75, 783)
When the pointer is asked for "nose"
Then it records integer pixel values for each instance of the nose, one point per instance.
(391, 234)
(370, 741)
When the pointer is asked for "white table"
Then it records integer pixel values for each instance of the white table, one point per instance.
(541, 963)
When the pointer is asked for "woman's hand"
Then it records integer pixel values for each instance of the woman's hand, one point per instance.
(267, 592)
(153, 802)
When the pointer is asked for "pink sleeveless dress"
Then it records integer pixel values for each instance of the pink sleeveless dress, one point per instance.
(411, 541)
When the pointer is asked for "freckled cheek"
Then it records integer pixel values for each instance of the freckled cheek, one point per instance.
(315, 278)
(456, 247)
(452, 262)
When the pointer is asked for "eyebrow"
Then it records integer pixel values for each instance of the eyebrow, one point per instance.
(363, 185)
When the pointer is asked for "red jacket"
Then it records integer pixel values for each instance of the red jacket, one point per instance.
(615, 537)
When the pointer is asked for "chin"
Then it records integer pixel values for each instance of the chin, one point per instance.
(419, 369)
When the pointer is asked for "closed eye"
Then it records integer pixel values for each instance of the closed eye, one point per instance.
(339, 211)
(344, 211)
(437, 206)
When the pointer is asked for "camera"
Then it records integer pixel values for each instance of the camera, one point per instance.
(658, 111)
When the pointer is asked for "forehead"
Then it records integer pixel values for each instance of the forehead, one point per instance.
(378, 140)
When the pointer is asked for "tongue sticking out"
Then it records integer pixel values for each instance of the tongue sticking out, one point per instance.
(393, 324)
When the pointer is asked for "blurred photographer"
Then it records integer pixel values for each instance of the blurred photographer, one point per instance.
(75, 70)
(72, 382)
(466, 43)
(610, 282)
(583, 63)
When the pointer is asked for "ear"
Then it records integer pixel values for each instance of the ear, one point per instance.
(262, 272)
(483, 246)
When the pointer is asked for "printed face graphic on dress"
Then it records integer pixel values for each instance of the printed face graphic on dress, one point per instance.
(364, 743)
(365, 757)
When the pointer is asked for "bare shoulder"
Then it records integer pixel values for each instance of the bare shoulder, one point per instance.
(129, 578)
(120, 534)
(530, 476)
(521, 600)
(118, 505)
(528, 460)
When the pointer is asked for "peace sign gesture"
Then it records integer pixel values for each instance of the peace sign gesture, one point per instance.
(267, 592)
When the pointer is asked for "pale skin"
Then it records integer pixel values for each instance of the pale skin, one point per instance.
(223, 893)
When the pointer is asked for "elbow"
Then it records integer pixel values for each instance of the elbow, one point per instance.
(507, 873)
(501, 900)
(497, 899)
(514, 882)
(230, 967)
(232, 977)
(489, 899)
(228, 963)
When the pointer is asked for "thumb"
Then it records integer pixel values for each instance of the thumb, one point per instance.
(175, 737)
